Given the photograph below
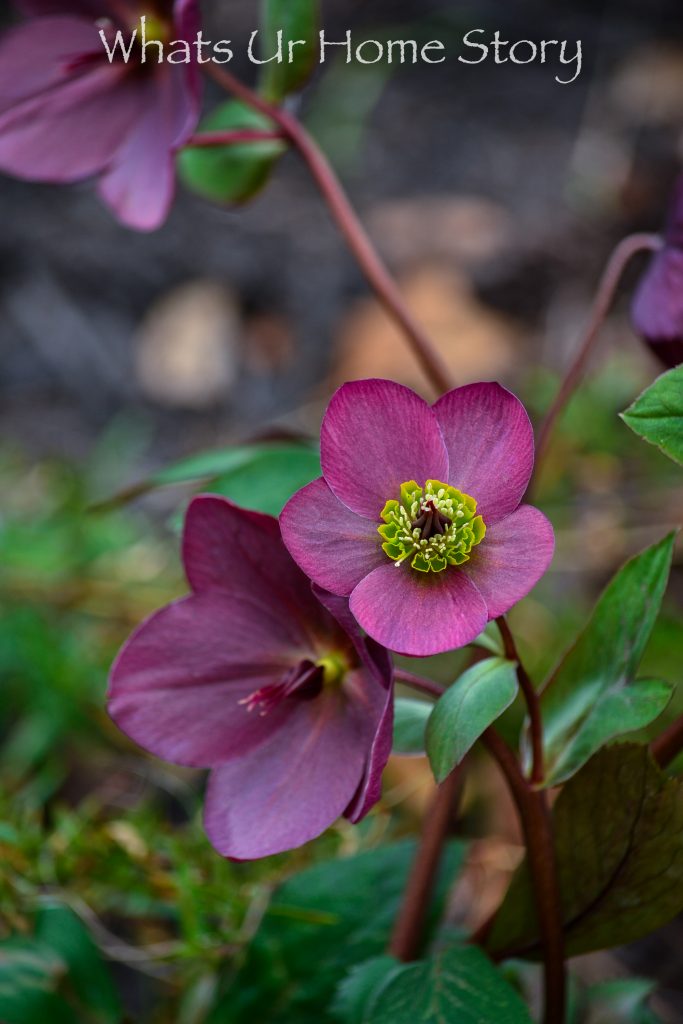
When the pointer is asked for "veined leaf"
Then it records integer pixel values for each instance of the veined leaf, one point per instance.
(657, 414)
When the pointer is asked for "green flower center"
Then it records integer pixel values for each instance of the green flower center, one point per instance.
(435, 526)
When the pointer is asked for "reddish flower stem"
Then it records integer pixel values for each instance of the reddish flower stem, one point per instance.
(406, 939)
(536, 822)
(427, 686)
(667, 747)
(607, 289)
(208, 140)
(532, 702)
(350, 226)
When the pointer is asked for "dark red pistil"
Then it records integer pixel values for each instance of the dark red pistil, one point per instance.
(304, 681)
(430, 522)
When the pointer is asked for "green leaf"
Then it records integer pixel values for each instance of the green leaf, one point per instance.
(622, 1001)
(618, 828)
(320, 924)
(62, 930)
(491, 640)
(260, 476)
(593, 696)
(267, 482)
(30, 974)
(358, 988)
(298, 20)
(460, 984)
(236, 172)
(657, 415)
(410, 721)
(466, 710)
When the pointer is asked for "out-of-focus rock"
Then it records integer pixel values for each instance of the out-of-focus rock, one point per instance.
(475, 342)
(648, 86)
(187, 352)
(464, 229)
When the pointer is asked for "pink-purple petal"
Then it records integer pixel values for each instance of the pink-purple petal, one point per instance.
(658, 306)
(291, 789)
(335, 547)
(419, 614)
(230, 549)
(511, 559)
(176, 685)
(72, 131)
(377, 434)
(370, 789)
(54, 45)
(490, 445)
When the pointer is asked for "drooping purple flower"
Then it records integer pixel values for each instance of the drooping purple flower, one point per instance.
(417, 516)
(263, 681)
(67, 113)
(658, 303)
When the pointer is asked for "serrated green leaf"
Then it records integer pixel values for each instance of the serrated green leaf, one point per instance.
(657, 414)
(298, 20)
(466, 710)
(460, 984)
(359, 986)
(320, 924)
(593, 697)
(233, 173)
(410, 722)
(59, 928)
(618, 827)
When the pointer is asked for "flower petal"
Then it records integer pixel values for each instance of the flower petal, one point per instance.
(419, 614)
(35, 56)
(292, 788)
(511, 559)
(377, 434)
(658, 306)
(335, 547)
(240, 552)
(176, 684)
(45, 8)
(370, 789)
(490, 443)
(72, 131)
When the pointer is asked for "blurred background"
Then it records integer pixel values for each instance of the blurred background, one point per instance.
(495, 195)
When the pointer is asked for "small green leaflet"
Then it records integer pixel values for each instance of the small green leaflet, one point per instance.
(410, 723)
(466, 710)
(299, 22)
(657, 414)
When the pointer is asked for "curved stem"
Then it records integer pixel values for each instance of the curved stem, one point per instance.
(406, 938)
(667, 747)
(621, 256)
(532, 701)
(350, 226)
(536, 822)
(427, 686)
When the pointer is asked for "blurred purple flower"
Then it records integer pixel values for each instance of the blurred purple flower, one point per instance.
(417, 515)
(67, 113)
(269, 685)
(658, 303)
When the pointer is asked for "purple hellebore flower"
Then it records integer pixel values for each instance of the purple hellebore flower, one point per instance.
(658, 303)
(67, 113)
(417, 515)
(269, 685)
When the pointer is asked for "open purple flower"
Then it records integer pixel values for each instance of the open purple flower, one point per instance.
(658, 303)
(67, 113)
(269, 685)
(417, 516)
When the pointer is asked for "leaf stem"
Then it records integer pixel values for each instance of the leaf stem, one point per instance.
(604, 297)
(350, 226)
(207, 140)
(536, 822)
(406, 939)
(427, 686)
(532, 702)
(666, 747)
